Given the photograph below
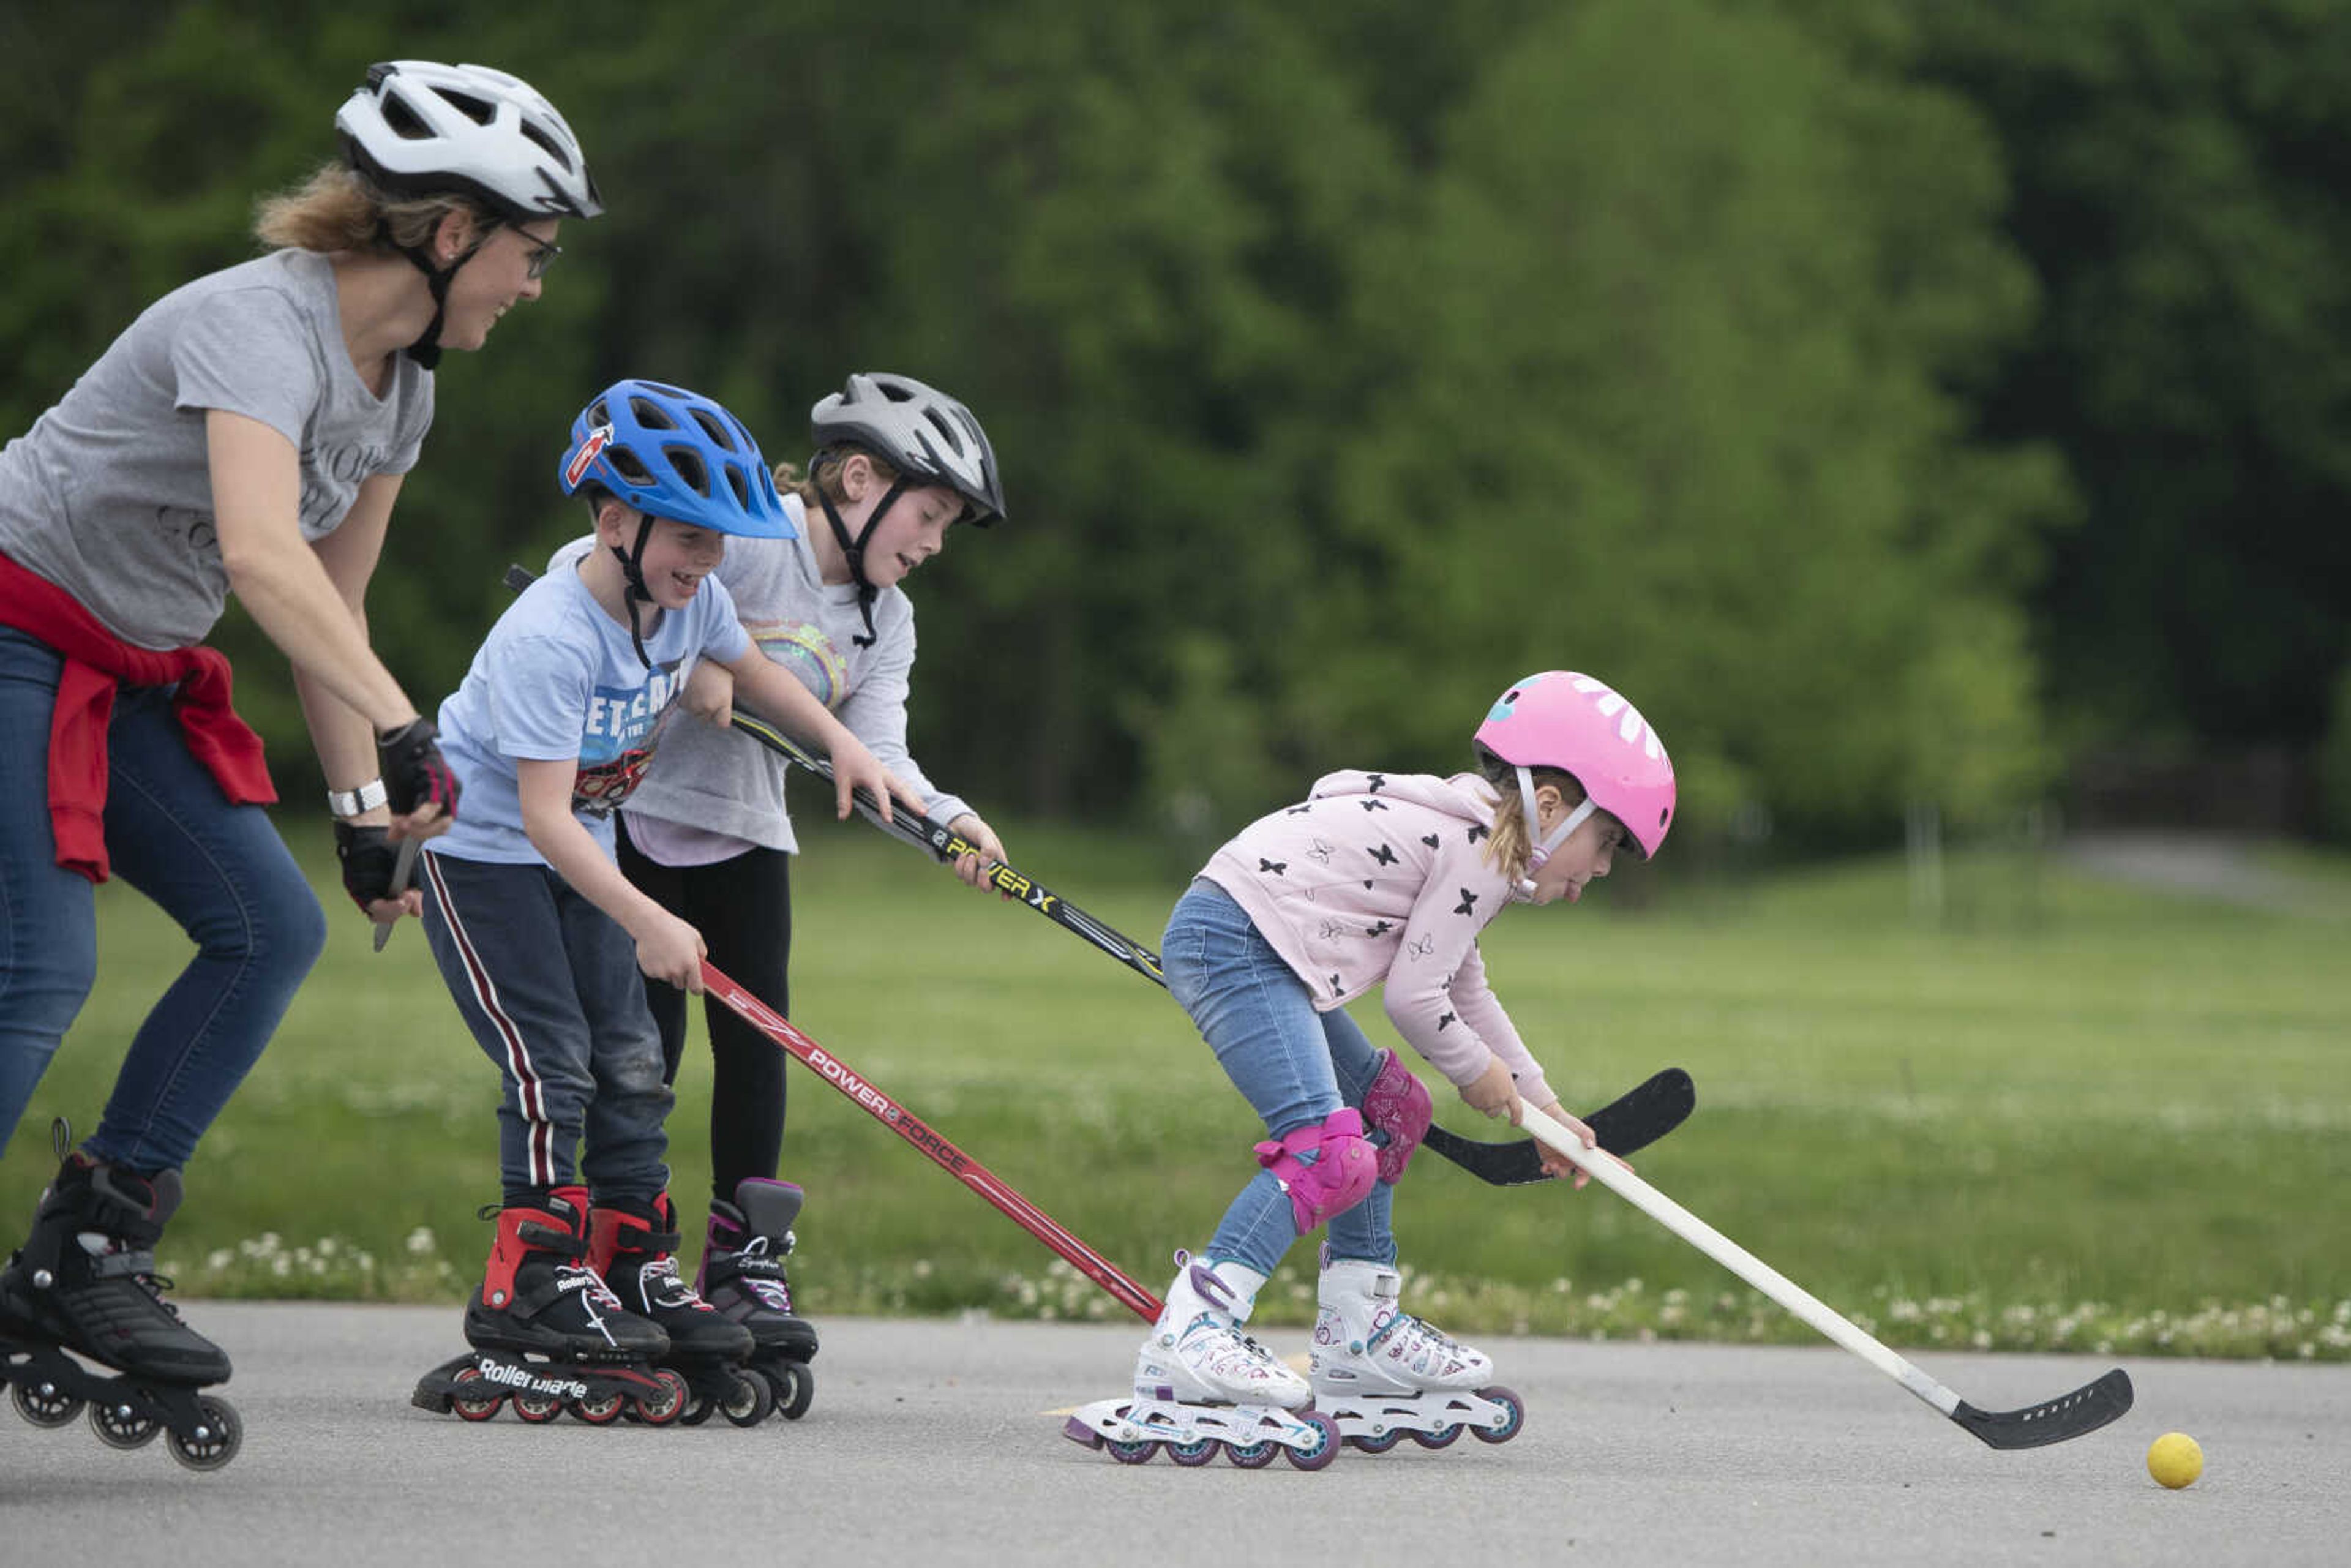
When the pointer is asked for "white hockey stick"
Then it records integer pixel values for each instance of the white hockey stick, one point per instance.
(2085, 1409)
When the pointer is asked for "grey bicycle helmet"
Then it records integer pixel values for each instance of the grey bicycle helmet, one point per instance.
(920, 431)
(927, 436)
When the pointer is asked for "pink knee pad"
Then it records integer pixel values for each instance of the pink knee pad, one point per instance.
(1345, 1165)
(1397, 1105)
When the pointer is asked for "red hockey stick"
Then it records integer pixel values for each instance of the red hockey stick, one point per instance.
(920, 1133)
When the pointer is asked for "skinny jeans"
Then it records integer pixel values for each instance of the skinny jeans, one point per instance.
(220, 870)
(1295, 1067)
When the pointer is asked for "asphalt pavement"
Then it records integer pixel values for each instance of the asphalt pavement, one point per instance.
(940, 1442)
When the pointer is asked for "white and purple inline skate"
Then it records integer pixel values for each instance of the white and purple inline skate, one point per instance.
(1201, 1384)
(1384, 1376)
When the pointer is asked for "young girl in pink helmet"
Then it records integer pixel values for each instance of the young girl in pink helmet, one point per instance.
(1376, 880)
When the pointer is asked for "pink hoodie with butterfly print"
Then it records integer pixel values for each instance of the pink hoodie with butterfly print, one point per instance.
(1382, 878)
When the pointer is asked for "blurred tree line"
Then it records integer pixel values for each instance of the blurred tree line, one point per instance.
(1893, 399)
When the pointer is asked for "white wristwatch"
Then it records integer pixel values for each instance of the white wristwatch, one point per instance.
(351, 802)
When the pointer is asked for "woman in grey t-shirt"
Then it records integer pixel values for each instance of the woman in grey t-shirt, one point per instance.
(248, 432)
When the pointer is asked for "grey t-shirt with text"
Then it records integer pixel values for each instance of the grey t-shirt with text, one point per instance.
(109, 495)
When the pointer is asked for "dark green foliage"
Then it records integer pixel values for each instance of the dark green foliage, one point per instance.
(1346, 367)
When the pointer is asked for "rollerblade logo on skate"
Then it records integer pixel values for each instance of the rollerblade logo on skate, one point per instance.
(522, 1377)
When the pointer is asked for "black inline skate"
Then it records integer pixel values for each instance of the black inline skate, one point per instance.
(634, 1245)
(548, 1334)
(85, 1282)
(742, 1275)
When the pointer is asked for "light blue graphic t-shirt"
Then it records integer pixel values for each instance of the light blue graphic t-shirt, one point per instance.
(557, 679)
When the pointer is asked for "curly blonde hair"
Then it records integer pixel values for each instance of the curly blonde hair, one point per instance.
(339, 208)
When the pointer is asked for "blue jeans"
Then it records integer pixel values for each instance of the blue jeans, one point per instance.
(548, 983)
(221, 870)
(1294, 1066)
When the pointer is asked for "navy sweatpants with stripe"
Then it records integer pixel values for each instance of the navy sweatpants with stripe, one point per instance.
(549, 983)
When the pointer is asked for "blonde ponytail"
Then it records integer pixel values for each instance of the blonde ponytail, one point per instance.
(1512, 844)
(825, 476)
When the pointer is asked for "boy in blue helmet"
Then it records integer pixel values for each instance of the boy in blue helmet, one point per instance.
(538, 936)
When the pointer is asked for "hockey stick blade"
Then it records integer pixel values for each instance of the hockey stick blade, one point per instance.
(1633, 1121)
(2083, 1410)
(2087, 1408)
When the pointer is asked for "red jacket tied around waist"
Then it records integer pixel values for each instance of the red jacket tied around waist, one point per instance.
(97, 663)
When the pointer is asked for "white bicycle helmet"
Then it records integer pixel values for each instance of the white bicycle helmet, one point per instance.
(419, 128)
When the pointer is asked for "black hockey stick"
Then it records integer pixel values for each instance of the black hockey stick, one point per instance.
(2085, 1409)
(927, 833)
(1632, 1122)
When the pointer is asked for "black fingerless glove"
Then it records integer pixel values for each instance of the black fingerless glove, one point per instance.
(415, 771)
(368, 858)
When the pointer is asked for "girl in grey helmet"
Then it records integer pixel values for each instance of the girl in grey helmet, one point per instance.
(247, 433)
(897, 464)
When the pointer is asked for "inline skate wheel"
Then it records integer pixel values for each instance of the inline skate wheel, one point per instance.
(1443, 1437)
(1190, 1455)
(599, 1412)
(214, 1443)
(1251, 1456)
(669, 1404)
(1378, 1443)
(1509, 1428)
(118, 1426)
(536, 1409)
(751, 1403)
(474, 1407)
(1322, 1453)
(1133, 1453)
(795, 1386)
(48, 1406)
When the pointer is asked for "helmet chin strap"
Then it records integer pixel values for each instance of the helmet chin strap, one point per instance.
(853, 550)
(633, 568)
(426, 349)
(1538, 854)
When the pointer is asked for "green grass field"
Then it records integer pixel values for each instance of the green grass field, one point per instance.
(2077, 1115)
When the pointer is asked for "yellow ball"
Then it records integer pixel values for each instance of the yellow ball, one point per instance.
(2174, 1459)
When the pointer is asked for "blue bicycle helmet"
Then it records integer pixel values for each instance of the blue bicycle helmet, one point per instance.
(673, 453)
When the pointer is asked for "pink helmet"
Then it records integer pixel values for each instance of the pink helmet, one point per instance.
(1579, 726)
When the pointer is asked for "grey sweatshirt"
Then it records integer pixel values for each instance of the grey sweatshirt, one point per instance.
(715, 793)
